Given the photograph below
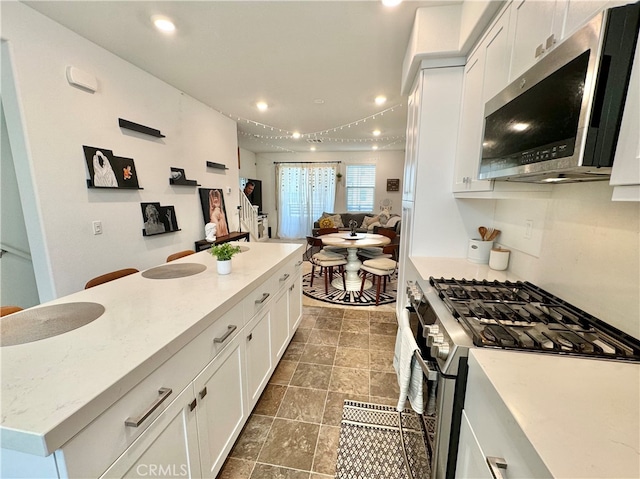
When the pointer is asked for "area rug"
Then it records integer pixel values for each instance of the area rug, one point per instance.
(348, 298)
(378, 442)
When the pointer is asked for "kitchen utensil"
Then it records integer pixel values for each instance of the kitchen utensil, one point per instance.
(492, 235)
(483, 231)
(488, 233)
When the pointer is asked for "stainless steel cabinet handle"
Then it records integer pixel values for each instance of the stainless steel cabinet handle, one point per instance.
(495, 464)
(292, 286)
(192, 405)
(136, 421)
(264, 298)
(203, 393)
(285, 277)
(230, 329)
(299, 263)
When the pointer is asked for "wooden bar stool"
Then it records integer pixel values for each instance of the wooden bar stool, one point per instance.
(380, 269)
(105, 278)
(6, 310)
(180, 254)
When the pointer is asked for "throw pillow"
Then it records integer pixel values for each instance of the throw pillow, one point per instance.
(326, 222)
(393, 221)
(337, 221)
(367, 221)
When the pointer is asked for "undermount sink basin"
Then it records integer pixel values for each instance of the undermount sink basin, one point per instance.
(41, 323)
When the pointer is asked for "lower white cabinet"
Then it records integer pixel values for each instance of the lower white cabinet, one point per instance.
(221, 408)
(294, 293)
(471, 459)
(257, 338)
(167, 448)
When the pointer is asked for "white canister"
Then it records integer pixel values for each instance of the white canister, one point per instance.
(499, 259)
(479, 250)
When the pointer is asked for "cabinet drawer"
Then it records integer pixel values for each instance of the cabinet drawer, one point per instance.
(90, 452)
(261, 296)
(497, 431)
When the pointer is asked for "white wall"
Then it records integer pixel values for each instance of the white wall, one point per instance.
(589, 251)
(247, 164)
(389, 164)
(56, 119)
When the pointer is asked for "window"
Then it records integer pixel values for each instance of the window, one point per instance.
(360, 185)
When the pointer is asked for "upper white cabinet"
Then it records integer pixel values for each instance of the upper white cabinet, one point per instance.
(625, 175)
(485, 74)
(534, 31)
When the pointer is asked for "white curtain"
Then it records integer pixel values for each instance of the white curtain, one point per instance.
(305, 191)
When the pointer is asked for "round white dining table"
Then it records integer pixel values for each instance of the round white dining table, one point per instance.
(345, 240)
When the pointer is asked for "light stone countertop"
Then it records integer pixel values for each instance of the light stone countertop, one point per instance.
(458, 268)
(53, 387)
(582, 416)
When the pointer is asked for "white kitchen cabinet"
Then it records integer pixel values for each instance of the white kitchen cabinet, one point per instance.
(259, 357)
(471, 458)
(534, 30)
(167, 448)
(578, 12)
(295, 299)
(493, 431)
(625, 174)
(221, 406)
(485, 75)
(412, 142)
(280, 323)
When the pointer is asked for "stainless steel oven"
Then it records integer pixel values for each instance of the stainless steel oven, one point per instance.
(451, 316)
(444, 348)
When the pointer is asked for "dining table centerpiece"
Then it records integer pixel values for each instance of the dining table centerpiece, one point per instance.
(223, 253)
(353, 224)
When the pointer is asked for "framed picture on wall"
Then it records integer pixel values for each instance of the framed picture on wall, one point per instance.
(109, 171)
(158, 219)
(213, 209)
(393, 184)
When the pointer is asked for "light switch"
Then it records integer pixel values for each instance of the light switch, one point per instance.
(97, 227)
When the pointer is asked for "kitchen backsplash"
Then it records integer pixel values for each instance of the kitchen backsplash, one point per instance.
(583, 247)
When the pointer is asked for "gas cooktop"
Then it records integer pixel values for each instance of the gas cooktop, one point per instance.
(520, 315)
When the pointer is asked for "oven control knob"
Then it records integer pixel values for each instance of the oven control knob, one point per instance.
(435, 339)
(432, 329)
(440, 351)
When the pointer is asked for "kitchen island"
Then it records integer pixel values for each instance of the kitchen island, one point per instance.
(61, 393)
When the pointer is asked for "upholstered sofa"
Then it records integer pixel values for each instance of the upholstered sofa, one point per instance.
(366, 221)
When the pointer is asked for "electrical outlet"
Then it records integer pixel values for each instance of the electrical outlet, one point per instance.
(97, 227)
(528, 230)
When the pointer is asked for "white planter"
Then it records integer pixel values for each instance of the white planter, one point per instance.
(224, 267)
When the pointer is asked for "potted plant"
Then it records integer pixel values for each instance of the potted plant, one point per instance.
(339, 176)
(224, 252)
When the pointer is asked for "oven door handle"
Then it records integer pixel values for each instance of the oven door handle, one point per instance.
(429, 374)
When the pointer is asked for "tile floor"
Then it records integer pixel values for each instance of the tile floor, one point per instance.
(336, 354)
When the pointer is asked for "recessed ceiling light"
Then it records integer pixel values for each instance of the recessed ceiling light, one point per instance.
(520, 126)
(318, 101)
(262, 106)
(374, 147)
(391, 3)
(313, 148)
(296, 135)
(376, 132)
(163, 23)
(380, 100)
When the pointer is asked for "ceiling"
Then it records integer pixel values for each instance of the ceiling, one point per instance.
(317, 64)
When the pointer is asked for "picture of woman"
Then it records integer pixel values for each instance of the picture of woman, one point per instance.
(217, 214)
(152, 225)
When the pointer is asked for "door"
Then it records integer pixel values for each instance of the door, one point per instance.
(221, 409)
(168, 448)
(259, 359)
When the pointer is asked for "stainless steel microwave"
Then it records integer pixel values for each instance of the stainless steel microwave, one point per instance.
(560, 120)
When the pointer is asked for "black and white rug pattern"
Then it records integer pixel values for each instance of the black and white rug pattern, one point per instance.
(348, 298)
(372, 439)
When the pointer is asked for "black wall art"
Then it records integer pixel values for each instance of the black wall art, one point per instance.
(109, 171)
(158, 219)
(179, 177)
(213, 209)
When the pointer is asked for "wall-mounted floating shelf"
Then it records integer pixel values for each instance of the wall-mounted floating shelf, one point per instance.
(217, 166)
(144, 233)
(90, 185)
(129, 125)
(179, 177)
(184, 182)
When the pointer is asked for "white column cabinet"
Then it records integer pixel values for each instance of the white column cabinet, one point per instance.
(167, 448)
(294, 292)
(412, 144)
(221, 408)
